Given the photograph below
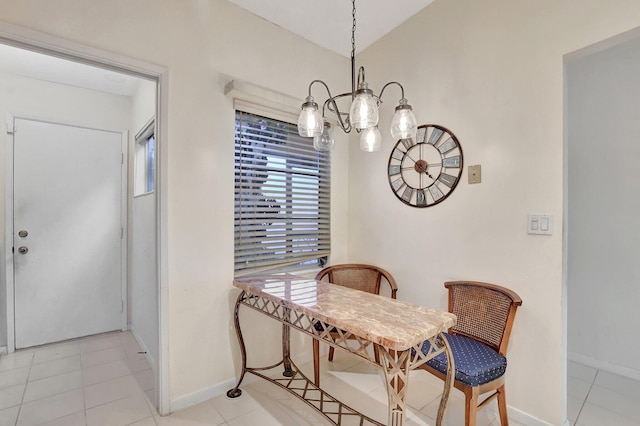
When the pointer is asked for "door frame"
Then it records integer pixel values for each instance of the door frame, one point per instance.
(28, 39)
(9, 219)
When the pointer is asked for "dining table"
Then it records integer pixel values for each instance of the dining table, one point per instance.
(353, 321)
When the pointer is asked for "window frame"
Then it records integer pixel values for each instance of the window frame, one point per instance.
(289, 261)
(144, 164)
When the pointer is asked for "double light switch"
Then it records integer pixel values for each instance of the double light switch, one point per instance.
(540, 224)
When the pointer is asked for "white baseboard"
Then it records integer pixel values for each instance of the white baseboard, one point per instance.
(604, 365)
(526, 418)
(3, 350)
(203, 395)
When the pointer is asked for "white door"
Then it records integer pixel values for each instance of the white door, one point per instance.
(67, 232)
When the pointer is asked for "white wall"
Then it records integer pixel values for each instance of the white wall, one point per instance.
(492, 72)
(143, 295)
(37, 99)
(604, 200)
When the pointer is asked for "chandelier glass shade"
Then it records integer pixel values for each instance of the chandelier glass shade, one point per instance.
(363, 112)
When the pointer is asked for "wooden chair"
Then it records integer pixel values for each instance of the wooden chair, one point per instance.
(485, 314)
(357, 276)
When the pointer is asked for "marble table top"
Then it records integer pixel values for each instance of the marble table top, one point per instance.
(390, 323)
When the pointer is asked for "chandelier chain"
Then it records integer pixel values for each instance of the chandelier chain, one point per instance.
(353, 30)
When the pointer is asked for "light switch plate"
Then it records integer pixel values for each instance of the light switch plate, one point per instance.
(540, 224)
(475, 174)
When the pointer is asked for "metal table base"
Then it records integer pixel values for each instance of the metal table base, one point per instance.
(395, 364)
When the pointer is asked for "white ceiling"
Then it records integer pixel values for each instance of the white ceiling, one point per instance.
(328, 22)
(48, 68)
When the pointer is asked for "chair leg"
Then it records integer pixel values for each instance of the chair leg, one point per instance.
(376, 354)
(331, 353)
(502, 406)
(316, 362)
(471, 409)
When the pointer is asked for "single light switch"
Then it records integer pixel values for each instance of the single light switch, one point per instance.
(544, 223)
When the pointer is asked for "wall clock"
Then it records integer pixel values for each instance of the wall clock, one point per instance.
(423, 172)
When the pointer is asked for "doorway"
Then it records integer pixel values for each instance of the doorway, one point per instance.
(601, 247)
(119, 69)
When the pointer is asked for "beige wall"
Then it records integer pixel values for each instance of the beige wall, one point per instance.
(490, 70)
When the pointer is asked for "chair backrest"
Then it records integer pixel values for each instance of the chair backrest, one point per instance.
(358, 276)
(485, 312)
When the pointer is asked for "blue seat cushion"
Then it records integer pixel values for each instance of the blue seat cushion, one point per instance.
(476, 364)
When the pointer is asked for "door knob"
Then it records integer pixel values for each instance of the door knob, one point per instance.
(22, 233)
(23, 250)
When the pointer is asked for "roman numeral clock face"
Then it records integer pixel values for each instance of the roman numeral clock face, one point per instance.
(423, 172)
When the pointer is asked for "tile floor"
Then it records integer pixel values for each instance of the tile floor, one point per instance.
(98, 380)
(597, 397)
(104, 380)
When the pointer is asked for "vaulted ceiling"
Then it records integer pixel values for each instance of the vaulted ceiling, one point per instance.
(327, 23)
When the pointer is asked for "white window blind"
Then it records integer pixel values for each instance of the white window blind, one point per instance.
(282, 196)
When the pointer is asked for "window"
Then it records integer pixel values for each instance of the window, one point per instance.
(281, 196)
(145, 163)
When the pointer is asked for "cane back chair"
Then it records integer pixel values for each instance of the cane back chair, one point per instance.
(485, 314)
(357, 276)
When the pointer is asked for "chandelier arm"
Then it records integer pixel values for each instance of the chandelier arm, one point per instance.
(385, 86)
(332, 106)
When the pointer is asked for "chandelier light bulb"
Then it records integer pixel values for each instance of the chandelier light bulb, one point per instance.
(310, 119)
(364, 108)
(404, 124)
(370, 139)
(324, 142)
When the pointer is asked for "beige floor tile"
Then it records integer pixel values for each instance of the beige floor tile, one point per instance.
(11, 396)
(76, 419)
(104, 356)
(119, 413)
(574, 405)
(577, 388)
(111, 390)
(581, 372)
(593, 415)
(262, 417)
(49, 386)
(16, 376)
(51, 408)
(455, 411)
(106, 371)
(201, 414)
(145, 379)
(8, 416)
(56, 351)
(625, 405)
(620, 384)
(55, 367)
(230, 408)
(100, 342)
(149, 421)
(18, 359)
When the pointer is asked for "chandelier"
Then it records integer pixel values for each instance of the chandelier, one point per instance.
(363, 113)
